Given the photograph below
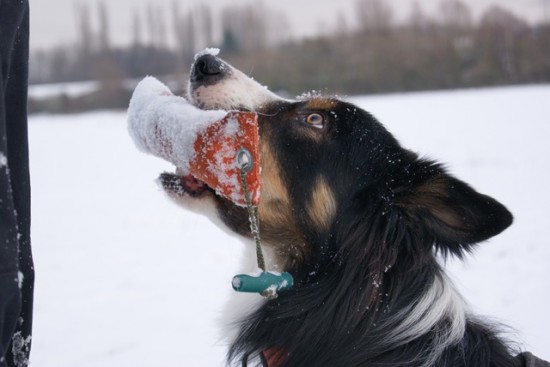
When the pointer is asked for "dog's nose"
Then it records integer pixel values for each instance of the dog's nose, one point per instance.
(208, 65)
(207, 69)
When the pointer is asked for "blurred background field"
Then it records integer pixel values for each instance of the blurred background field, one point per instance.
(346, 47)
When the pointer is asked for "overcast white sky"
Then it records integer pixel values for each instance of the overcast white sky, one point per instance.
(53, 23)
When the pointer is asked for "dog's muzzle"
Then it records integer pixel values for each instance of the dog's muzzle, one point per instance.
(215, 84)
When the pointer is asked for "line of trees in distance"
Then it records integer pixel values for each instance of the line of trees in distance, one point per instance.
(450, 50)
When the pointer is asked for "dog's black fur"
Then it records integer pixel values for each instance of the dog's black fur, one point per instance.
(359, 221)
(377, 256)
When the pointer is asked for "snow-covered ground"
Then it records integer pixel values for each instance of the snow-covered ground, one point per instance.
(72, 89)
(126, 278)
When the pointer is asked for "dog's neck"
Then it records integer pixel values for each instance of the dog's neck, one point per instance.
(395, 319)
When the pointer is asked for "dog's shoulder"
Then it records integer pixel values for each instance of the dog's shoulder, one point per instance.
(527, 359)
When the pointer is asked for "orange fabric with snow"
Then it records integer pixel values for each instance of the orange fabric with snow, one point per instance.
(215, 161)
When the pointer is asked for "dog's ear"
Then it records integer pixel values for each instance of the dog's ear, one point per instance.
(451, 212)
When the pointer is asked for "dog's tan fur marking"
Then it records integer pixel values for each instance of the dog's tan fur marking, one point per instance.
(319, 103)
(273, 189)
(432, 195)
(322, 205)
(277, 225)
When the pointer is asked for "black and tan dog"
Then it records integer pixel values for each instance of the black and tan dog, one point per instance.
(359, 221)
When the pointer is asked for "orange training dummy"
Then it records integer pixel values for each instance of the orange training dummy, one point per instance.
(206, 145)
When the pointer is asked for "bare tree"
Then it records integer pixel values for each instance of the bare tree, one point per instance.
(456, 19)
(374, 15)
(501, 32)
(341, 28)
(204, 26)
(104, 36)
(546, 11)
(244, 28)
(418, 19)
(279, 29)
(156, 25)
(456, 15)
(184, 34)
(85, 32)
(161, 28)
(136, 29)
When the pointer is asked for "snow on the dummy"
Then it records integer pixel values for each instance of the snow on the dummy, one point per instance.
(204, 144)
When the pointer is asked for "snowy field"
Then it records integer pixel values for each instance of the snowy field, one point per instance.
(125, 278)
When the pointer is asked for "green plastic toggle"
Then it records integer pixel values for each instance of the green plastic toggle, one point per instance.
(267, 284)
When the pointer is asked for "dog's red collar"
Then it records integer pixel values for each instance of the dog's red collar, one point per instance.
(272, 357)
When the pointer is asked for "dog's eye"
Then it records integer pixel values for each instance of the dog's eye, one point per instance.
(315, 119)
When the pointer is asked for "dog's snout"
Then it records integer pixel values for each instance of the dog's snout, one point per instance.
(215, 84)
(208, 69)
(208, 65)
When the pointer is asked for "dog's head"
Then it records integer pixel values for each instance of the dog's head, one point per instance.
(334, 177)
